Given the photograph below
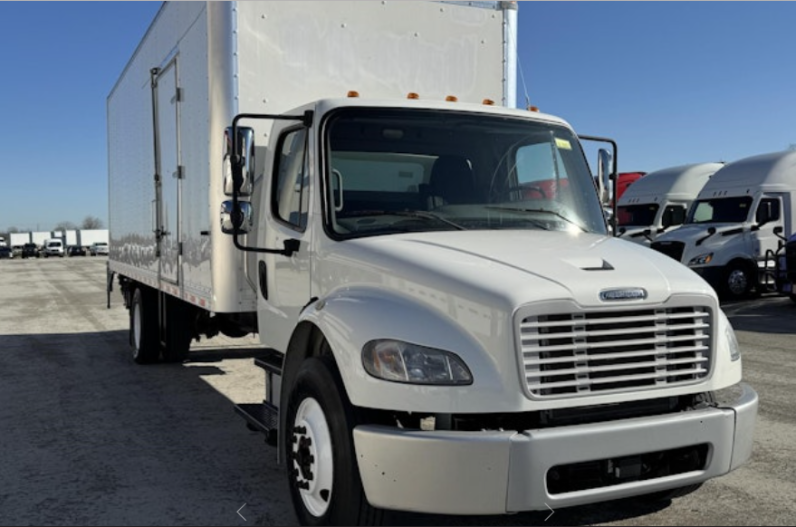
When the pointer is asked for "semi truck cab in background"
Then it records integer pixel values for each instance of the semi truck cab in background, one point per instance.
(739, 224)
(440, 337)
(660, 201)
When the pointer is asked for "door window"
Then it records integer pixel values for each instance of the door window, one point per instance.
(290, 196)
(767, 210)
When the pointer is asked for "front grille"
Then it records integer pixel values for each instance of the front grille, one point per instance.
(790, 260)
(584, 353)
(671, 249)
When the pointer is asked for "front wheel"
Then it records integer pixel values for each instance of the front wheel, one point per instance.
(322, 469)
(737, 281)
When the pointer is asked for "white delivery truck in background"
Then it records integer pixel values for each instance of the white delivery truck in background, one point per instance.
(18, 239)
(351, 181)
(660, 200)
(738, 224)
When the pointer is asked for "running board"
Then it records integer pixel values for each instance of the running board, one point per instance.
(262, 417)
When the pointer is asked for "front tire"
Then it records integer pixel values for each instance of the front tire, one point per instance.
(322, 468)
(144, 337)
(737, 281)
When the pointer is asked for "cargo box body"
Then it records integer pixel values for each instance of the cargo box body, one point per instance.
(202, 63)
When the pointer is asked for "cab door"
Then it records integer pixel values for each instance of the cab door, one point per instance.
(285, 280)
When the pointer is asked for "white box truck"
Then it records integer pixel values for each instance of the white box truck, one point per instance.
(660, 200)
(738, 224)
(351, 181)
(18, 239)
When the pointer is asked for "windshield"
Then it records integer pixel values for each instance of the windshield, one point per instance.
(642, 215)
(410, 171)
(720, 210)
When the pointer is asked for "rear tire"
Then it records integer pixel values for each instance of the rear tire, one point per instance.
(144, 337)
(322, 468)
(179, 330)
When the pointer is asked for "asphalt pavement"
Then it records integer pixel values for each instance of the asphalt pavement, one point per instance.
(88, 437)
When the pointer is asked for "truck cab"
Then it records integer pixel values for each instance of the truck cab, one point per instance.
(738, 223)
(659, 202)
(402, 261)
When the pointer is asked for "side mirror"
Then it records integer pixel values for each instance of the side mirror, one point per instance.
(239, 174)
(604, 176)
(764, 213)
(229, 217)
(667, 220)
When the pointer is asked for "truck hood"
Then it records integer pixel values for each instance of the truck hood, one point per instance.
(510, 268)
(692, 233)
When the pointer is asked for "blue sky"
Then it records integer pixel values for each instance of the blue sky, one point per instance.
(672, 82)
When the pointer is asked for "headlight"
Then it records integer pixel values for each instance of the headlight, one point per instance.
(702, 259)
(732, 342)
(393, 360)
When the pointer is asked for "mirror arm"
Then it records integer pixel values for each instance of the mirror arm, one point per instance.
(291, 245)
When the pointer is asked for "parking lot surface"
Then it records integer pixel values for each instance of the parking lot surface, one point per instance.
(88, 437)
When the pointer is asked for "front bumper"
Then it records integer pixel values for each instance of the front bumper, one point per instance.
(498, 472)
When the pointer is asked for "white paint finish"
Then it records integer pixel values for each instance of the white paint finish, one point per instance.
(493, 472)
(441, 472)
(764, 176)
(458, 291)
(167, 122)
(131, 161)
(319, 49)
(669, 186)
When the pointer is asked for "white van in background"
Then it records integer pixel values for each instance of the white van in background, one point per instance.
(738, 223)
(660, 200)
(54, 247)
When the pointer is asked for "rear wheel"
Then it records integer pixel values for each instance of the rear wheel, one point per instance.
(323, 474)
(179, 330)
(144, 336)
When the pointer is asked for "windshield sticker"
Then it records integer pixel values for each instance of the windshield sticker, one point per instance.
(563, 144)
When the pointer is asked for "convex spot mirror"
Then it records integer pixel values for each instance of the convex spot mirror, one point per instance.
(245, 168)
(229, 218)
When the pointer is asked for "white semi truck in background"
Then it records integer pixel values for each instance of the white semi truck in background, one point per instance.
(350, 181)
(660, 200)
(738, 225)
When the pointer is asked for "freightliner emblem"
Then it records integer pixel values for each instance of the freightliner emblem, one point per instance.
(633, 293)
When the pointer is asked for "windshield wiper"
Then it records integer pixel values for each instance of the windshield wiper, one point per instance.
(408, 214)
(546, 211)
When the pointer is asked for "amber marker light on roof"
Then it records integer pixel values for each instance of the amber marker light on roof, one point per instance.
(488, 102)
(452, 98)
(353, 93)
(412, 95)
(533, 108)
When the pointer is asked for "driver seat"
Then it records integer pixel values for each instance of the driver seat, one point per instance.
(452, 181)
